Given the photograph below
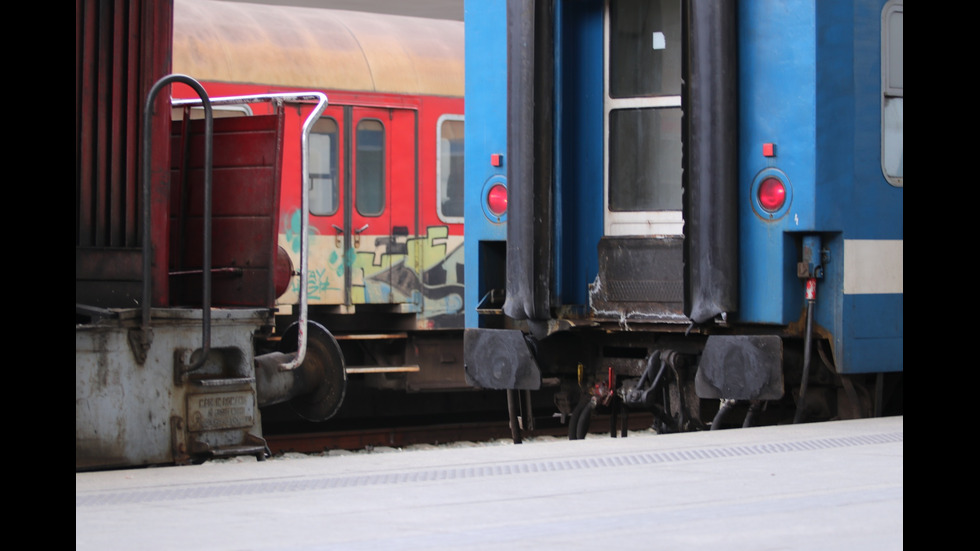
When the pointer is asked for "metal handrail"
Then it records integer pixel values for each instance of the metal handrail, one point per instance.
(321, 100)
(147, 226)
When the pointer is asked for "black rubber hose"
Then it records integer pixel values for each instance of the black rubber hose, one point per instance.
(754, 408)
(649, 370)
(513, 411)
(801, 404)
(584, 421)
(575, 421)
(726, 406)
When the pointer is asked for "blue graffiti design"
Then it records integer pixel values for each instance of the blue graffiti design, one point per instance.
(293, 228)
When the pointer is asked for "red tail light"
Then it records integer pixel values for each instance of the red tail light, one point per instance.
(772, 194)
(497, 199)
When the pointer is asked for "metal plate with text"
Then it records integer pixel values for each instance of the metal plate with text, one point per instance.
(221, 410)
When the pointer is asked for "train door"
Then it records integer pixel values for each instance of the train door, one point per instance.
(643, 118)
(381, 209)
(327, 279)
(641, 252)
(670, 242)
(362, 206)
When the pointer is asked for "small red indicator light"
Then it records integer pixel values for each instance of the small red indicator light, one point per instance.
(772, 194)
(768, 150)
(497, 199)
(496, 159)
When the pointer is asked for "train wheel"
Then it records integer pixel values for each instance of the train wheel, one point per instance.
(323, 368)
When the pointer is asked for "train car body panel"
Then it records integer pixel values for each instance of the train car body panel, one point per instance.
(486, 233)
(135, 411)
(110, 87)
(246, 167)
(362, 210)
(776, 109)
(759, 188)
(578, 64)
(386, 205)
(819, 106)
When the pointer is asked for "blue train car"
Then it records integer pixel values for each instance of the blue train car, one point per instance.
(687, 206)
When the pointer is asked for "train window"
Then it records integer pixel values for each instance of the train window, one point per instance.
(645, 145)
(369, 196)
(644, 48)
(449, 168)
(643, 117)
(892, 93)
(324, 176)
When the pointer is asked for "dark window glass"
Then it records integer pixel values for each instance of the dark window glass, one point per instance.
(645, 159)
(370, 168)
(645, 48)
(324, 177)
(451, 169)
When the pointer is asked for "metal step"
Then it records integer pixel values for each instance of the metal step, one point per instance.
(383, 369)
(370, 336)
(258, 450)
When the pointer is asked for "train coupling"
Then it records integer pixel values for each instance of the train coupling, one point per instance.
(603, 392)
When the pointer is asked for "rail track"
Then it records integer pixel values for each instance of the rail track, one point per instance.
(436, 433)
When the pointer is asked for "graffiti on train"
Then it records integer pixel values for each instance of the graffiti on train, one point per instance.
(423, 273)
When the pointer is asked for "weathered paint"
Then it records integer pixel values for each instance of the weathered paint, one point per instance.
(434, 288)
(318, 49)
(121, 50)
(130, 413)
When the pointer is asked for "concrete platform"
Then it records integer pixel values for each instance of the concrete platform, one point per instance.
(817, 486)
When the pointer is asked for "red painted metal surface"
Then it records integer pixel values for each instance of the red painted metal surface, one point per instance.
(410, 211)
(121, 49)
(245, 216)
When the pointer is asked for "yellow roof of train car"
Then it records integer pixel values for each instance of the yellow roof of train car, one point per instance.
(317, 48)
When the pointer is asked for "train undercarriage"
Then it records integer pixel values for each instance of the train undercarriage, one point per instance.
(617, 373)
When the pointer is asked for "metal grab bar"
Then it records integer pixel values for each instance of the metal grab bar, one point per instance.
(305, 185)
(147, 226)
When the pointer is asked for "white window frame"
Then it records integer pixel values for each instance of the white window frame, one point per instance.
(892, 98)
(664, 222)
(439, 159)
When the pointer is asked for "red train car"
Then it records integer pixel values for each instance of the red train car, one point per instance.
(385, 264)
